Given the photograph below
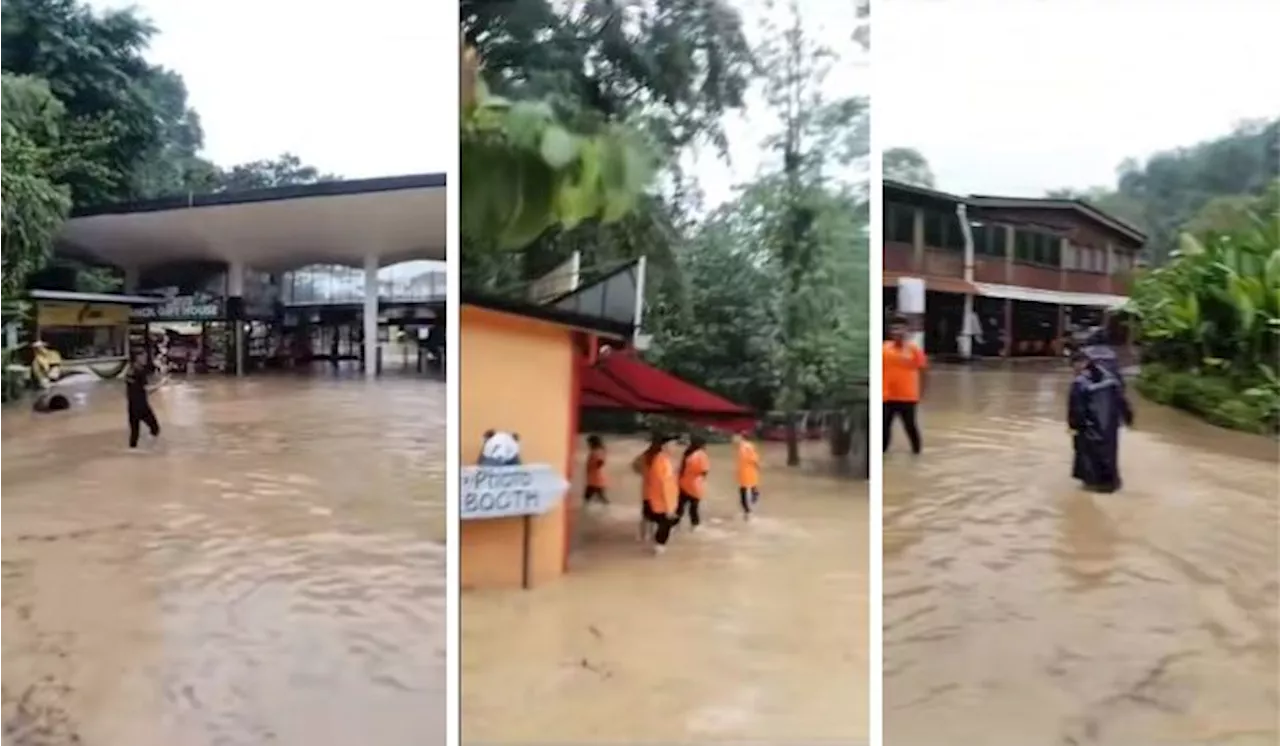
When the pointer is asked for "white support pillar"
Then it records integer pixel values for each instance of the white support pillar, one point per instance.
(370, 316)
(968, 320)
(235, 310)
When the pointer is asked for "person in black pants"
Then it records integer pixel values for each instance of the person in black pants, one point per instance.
(907, 410)
(136, 391)
(902, 364)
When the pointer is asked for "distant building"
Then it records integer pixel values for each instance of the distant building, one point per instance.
(1038, 268)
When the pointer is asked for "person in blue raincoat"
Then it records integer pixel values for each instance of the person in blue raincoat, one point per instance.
(1096, 408)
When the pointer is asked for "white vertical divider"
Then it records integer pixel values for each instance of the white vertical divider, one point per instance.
(875, 413)
(449, 18)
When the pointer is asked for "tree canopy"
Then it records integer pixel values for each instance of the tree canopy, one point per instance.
(1190, 187)
(763, 299)
(908, 166)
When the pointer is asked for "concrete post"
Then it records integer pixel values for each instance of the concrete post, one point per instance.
(1010, 251)
(967, 328)
(1064, 248)
(917, 240)
(131, 279)
(235, 311)
(370, 316)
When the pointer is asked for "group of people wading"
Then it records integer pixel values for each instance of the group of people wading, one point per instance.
(1096, 407)
(669, 494)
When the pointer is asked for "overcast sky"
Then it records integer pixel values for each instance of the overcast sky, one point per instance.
(361, 91)
(359, 94)
(831, 23)
(1015, 98)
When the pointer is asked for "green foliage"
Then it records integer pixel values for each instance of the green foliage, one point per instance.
(524, 172)
(1209, 319)
(34, 204)
(94, 64)
(645, 78)
(286, 169)
(1218, 399)
(671, 68)
(773, 300)
(1191, 189)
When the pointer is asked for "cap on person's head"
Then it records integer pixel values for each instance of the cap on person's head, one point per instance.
(38, 343)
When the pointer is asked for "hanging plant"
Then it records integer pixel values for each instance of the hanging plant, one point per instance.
(524, 171)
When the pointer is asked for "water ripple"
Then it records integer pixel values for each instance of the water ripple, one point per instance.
(270, 571)
(1021, 611)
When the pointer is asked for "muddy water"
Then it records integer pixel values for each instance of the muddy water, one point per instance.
(741, 631)
(1022, 611)
(271, 571)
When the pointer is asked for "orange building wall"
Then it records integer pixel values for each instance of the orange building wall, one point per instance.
(516, 375)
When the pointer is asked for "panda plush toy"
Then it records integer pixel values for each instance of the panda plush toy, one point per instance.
(500, 449)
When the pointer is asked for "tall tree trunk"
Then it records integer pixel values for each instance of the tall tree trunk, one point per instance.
(793, 440)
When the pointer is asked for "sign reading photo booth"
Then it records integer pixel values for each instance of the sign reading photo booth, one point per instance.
(501, 486)
(510, 491)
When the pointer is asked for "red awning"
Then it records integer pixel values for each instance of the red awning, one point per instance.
(622, 381)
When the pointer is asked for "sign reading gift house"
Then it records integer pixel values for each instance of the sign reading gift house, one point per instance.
(508, 491)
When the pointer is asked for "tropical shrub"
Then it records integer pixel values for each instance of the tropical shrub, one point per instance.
(524, 170)
(1209, 322)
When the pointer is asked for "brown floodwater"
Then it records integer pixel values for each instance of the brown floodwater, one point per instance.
(1020, 610)
(270, 571)
(741, 631)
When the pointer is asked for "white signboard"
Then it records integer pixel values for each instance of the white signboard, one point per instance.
(910, 295)
(507, 491)
(182, 307)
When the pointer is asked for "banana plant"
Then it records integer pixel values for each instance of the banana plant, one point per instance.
(524, 171)
(1217, 302)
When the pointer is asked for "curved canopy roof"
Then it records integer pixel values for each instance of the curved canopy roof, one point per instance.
(273, 230)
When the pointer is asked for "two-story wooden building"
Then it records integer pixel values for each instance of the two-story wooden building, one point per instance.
(1033, 267)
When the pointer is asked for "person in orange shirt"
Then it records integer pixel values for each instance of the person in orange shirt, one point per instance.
(596, 482)
(693, 475)
(748, 474)
(660, 489)
(903, 365)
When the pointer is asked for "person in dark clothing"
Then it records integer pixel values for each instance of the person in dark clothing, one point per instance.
(1096, 408)
(137, 388)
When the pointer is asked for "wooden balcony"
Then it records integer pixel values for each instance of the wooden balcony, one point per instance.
(1031, 276)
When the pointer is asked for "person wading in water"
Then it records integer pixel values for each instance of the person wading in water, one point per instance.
(748, 474)
(596, 481)
(136, 391)
(903, 365)
(693, 476)
(659, 489)
(1096, 407)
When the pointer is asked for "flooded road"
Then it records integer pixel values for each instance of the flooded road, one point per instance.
(1021, 611)
(270, 571)
(741, 631)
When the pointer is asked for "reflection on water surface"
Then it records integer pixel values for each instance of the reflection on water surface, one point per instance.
(739, 632)
(1021, 611)
(271, 571)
